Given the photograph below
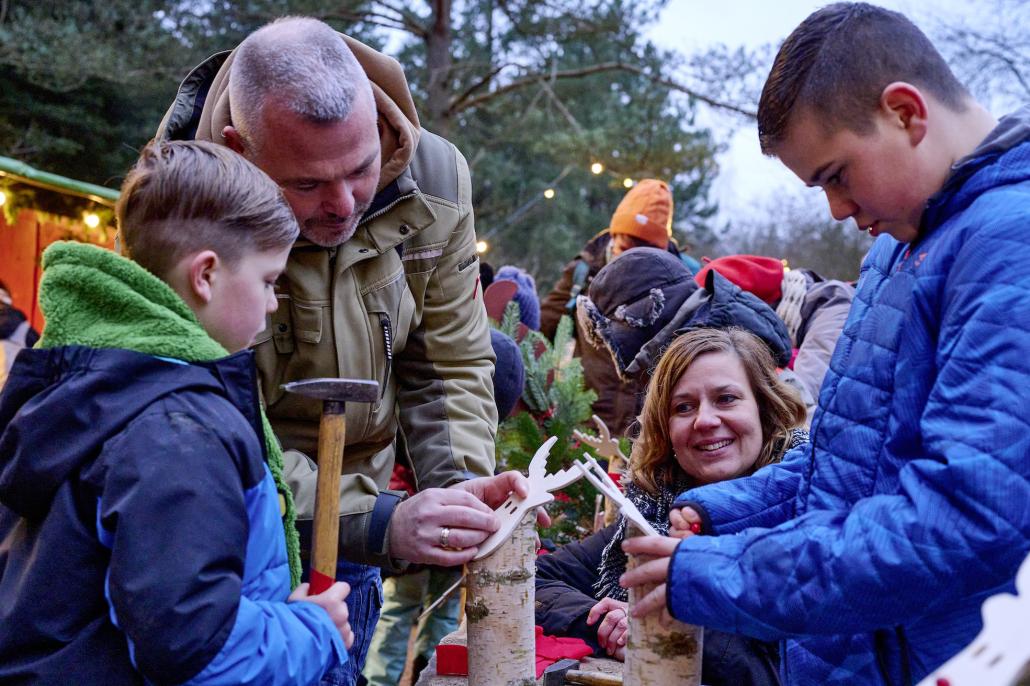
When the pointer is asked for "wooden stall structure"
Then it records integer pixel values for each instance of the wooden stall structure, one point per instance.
(39, 208)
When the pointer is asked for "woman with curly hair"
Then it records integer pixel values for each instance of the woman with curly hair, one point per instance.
(715, 409)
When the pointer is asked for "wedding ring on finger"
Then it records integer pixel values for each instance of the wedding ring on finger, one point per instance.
(445, 535)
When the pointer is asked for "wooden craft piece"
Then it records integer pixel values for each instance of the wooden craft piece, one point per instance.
(603, 444)
(1000, 654)
(607, 447)
(602, 482)
(541, 484)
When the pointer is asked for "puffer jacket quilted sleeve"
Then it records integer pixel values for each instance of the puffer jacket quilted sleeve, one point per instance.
(915, 505)
(764, 499)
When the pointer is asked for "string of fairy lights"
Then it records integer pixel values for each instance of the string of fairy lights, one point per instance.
(549, 193)
(596, 168)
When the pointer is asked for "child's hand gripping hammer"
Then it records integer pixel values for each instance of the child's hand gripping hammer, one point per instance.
(332, 432)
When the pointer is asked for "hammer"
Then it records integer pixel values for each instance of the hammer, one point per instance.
(567, 672)
(332, 432)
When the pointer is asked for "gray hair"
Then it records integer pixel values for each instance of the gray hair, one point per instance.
(301, 62)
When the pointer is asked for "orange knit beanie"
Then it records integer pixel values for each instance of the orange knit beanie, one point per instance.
(645, 213)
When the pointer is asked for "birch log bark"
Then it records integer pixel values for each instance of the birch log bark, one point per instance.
(660, 650)
(499, 610)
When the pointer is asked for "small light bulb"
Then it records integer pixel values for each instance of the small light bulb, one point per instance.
(549, 193)
(597, 168)
(3, 198)
(627, 182)
(91, 220)
(482, 246)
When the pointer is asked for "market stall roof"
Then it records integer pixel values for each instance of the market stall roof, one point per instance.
(55, 182)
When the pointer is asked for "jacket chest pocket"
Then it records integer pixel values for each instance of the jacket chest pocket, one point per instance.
(288, 349)
(390, 307)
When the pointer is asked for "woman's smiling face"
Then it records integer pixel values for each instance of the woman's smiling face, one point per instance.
(714, 424)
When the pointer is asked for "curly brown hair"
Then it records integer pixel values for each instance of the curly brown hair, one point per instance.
(779, 406)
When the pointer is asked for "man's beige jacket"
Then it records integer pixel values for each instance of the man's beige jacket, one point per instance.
(399, 303)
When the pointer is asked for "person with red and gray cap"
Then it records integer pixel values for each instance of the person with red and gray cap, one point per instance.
(642, 219)
(813, 308)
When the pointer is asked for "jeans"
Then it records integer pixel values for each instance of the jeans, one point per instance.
(363, 605)
(404, 597)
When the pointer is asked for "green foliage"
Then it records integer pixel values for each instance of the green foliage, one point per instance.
(531, 92)
(527, 124)
(558, 403)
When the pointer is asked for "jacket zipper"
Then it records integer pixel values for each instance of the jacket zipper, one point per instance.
(384, 321)
(880, 639)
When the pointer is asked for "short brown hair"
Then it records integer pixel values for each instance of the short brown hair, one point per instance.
(779, 406)
(185, 196)
(836, 64)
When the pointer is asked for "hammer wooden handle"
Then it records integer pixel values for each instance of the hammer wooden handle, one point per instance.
(325, 542)
(576, 676)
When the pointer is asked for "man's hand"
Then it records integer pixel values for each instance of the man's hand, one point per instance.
(613, 631)
(494, 490)
(654, 571)
(334, 601)
(444, 526)
(684, 522)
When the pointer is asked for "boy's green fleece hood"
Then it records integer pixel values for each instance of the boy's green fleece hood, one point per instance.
(93, 297)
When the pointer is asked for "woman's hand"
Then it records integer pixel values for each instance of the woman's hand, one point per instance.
(334, 601)
(684, 522)
(613, 631)
(654, 571)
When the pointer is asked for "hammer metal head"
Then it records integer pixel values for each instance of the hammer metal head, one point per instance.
(337, 390)
(554, 675)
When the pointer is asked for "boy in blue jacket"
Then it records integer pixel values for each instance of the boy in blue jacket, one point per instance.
(869, 553)
(141, 532)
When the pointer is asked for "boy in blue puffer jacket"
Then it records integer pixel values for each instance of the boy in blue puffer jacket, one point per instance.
(869, 554)
(141, 532)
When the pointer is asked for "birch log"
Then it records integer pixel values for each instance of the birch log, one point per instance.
(656, 653)
(499, 609)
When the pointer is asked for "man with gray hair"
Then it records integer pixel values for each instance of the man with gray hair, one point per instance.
(382, 284)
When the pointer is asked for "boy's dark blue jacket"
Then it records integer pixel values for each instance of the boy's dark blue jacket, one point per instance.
(139, 529)
(871, 552)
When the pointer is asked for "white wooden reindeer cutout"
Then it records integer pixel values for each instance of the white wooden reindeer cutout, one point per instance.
(541, 484)
(1001, 653)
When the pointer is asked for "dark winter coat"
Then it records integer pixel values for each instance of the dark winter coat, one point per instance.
(617, 400)
(564, 596)
(140, 530)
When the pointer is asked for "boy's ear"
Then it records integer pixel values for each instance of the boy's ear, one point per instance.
(233, 139)
(906, 107)
(202, 274)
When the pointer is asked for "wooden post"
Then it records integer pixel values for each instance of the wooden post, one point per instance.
(499, 610)
(657, 654)
(616, 465)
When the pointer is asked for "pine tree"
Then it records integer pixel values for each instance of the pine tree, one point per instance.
(557, 402)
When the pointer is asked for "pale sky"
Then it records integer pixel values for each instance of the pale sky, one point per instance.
(747, 177)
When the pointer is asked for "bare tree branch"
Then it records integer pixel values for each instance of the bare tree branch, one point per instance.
(377, 19)
(464, 102)
(414, 23)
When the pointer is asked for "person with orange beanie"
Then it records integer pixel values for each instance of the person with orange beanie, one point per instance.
(642, 219)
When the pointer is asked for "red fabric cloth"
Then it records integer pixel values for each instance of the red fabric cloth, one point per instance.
(550, 649)
(402, 479)
(453, 660)
(762, 276)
